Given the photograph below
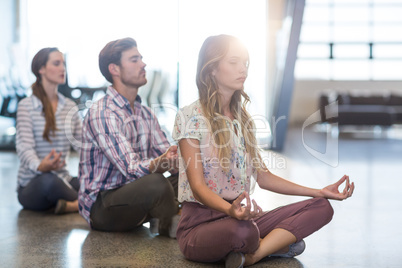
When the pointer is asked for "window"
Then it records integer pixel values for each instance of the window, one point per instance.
(169, 35)
(351, 40)
(80, 29)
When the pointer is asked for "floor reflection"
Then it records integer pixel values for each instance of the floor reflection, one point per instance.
(74, 244)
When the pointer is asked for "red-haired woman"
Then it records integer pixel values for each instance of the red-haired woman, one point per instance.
(48, 125)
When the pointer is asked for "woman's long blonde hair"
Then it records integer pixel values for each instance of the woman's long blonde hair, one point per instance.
(212, 51)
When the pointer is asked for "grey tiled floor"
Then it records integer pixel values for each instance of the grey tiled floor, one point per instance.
(365, 231)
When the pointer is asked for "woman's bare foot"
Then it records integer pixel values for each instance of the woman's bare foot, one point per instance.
(72, 206)
(250, 259)
(64, 206)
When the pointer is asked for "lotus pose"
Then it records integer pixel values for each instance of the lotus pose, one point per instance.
(47, 126)
(125, 152)
(218, 160)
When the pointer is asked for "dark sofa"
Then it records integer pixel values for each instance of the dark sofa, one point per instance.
(361, 110)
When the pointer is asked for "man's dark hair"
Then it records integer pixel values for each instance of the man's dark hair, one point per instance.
(111, 53)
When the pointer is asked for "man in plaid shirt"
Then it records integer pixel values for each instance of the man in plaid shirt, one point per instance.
(124, 152)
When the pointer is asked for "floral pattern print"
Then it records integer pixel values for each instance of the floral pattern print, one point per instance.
(190, 124)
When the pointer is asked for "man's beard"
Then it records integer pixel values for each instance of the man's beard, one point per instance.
(131, 84)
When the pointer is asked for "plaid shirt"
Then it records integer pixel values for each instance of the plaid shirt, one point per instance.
(117, 146)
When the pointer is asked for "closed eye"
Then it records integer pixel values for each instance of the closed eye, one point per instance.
(135, 58)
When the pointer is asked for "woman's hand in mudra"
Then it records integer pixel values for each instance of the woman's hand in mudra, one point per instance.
(332, 192)
(51, 162)
(244, 212)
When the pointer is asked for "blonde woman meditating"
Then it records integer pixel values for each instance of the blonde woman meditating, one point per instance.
(219, 160)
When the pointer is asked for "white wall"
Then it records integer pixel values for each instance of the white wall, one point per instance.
(306, 94)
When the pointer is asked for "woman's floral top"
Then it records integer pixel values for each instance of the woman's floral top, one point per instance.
(190, 123)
